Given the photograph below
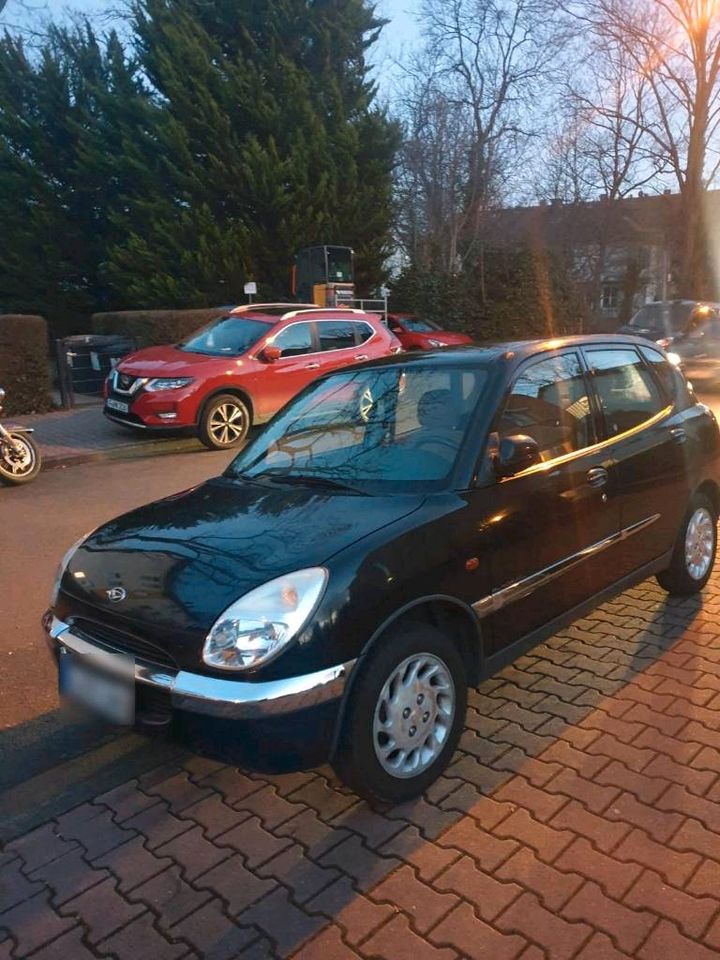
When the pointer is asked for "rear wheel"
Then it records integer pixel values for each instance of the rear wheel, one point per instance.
(19, 459)
(224, 422)
(405, 715)
(694, 553)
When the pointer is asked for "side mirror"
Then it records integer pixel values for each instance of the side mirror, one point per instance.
(270, 354)
(516, 454)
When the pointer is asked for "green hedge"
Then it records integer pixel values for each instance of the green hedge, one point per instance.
(152, 327)
(24, 367)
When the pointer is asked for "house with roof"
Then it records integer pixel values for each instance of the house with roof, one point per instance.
(622, 253)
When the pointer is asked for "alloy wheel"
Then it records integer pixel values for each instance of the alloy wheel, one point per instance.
(227, 423)
(17, 457)
(414, 715)
(699, 543)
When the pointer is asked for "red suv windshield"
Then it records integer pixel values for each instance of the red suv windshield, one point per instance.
(227, 336)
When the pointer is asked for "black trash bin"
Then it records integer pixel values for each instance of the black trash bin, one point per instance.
(90, 358)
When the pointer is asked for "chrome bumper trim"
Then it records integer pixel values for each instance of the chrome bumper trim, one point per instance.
(125, 423)
(215, 696)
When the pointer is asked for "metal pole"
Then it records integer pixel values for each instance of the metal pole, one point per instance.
(67, 400)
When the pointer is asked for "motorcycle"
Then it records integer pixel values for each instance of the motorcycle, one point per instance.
(19, 454)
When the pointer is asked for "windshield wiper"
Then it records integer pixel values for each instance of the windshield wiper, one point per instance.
(307, 480)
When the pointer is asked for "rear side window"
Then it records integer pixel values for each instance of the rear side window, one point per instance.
(672, 380)
(336, 334)
(625, 387)
(295, 340)
(549, 403)
(363, 332)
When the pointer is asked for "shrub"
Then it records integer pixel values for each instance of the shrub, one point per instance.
(24, 368)
(154, 327)
(504, 294)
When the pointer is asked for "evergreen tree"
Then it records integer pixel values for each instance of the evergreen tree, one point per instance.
(58, 134)
(269, 142)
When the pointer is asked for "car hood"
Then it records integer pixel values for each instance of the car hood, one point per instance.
(182, 561)
(166, 362)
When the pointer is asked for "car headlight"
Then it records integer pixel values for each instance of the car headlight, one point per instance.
(60, 572)
(171, 383)
(436, 343)
(258, 626)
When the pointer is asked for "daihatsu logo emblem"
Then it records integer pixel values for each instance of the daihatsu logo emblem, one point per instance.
(116, 594)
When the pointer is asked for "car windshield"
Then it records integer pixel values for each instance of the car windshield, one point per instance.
(651, 317)
(418, 326)
(227, 336)
(395, 429)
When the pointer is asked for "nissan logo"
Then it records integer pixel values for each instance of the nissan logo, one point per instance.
(116, 594)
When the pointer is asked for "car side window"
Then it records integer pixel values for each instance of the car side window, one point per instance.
(295, 340)
(625, 387)
(549, 403)
(363, 332)
(336, 334)
(668, 375)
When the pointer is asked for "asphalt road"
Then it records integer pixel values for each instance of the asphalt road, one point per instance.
(50, 757)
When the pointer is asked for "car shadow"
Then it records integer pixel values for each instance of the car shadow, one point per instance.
(561, 731)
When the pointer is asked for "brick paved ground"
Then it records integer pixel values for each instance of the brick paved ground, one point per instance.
(579, 820)
(68, 436)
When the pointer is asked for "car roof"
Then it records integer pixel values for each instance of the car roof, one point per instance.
(508, 350)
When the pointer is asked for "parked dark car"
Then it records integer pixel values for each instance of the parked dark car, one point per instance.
(697, 352)
(663, 321)
(400, 531)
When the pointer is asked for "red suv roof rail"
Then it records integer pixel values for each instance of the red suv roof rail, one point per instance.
(337, 310)
(248, 307)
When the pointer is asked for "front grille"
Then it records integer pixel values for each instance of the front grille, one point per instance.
(124, 382)
(116, 641)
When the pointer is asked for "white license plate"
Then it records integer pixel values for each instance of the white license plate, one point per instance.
(109, 695)
(117, 405)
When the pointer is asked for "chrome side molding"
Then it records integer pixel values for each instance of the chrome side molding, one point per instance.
(521, 589)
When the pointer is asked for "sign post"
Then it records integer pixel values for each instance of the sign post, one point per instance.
(250, 290)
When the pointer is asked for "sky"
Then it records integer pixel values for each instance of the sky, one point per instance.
(397, 40)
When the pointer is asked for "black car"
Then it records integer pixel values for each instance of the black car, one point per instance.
(697, 352)
(664, 320)
(401, 530)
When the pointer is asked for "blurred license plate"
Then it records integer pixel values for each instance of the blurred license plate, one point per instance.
(110, 695)
(117, 405)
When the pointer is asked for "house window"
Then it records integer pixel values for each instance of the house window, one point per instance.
(610, 297)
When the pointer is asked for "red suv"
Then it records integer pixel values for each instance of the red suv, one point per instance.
(416, 334)
(240, 369)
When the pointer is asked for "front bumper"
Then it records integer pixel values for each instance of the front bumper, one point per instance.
(213, 696)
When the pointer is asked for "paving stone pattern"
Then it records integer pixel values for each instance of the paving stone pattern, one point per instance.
(579, 821)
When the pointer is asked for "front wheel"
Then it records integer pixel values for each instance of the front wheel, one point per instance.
(694, 553)
(405, 715)
(19, 459)
(224, 422)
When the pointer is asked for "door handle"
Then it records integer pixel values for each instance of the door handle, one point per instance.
(679, 435)
(362, 356)
(311, 366)
(597, 477)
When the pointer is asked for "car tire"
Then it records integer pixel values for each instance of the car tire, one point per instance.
(224, 422)
(432, 701)
(694, 552)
